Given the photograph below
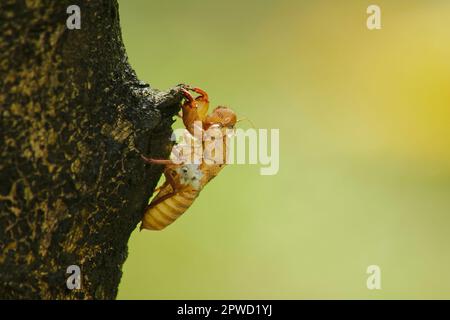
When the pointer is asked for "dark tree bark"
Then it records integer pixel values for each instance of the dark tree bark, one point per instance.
(73, 118)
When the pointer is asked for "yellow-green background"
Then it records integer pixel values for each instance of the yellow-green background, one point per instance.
(365, 154)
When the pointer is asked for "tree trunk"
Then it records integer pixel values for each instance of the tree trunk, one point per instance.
(74, 118)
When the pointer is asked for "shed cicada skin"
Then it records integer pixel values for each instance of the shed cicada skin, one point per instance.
(184, 180)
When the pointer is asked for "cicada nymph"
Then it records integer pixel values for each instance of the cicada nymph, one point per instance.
(185, 177)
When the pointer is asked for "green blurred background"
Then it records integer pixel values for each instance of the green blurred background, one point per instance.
(364, 149)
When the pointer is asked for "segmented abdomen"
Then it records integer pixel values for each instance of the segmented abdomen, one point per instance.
(162, 214)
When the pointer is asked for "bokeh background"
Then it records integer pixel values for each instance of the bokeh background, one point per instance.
(365, 149)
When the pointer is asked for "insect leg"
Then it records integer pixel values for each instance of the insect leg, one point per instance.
(201, 92)
(157, 161)
(190, 99)
(202, 103)
(173, 184)
(189, 108)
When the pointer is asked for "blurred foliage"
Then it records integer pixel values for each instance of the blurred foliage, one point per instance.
(365, 151)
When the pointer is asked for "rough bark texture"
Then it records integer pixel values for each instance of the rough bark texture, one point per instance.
(73, 114)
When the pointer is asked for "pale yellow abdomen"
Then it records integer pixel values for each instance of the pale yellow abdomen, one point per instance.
(162, 214)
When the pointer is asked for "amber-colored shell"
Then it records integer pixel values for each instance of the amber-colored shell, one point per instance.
(164, 213)
(223, 116)
(176, 197)
(160, 214)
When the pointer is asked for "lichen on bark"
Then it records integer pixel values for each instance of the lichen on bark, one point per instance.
(73, 119)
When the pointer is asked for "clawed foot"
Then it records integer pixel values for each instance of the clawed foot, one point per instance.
(203, 96)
